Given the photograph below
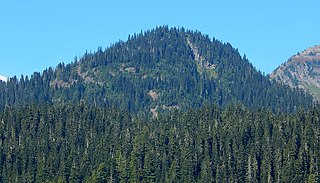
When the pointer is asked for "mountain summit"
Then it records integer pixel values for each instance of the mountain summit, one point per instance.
(301, 70)
(162, 69)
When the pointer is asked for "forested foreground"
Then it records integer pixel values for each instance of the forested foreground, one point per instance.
(78, 143)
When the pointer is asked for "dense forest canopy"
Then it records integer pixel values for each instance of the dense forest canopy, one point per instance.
(77, 143)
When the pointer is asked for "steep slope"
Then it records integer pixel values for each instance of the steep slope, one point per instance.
(159, 70)
(302, 71)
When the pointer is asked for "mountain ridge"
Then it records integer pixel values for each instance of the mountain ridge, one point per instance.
(302, 71)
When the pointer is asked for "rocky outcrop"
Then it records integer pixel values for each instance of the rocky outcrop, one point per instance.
(301, 70)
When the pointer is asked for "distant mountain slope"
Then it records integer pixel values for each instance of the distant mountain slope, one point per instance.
(3, 78)
(159, 70)
(301, 70)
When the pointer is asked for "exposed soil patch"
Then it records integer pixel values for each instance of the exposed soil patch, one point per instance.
(154, 112)
(154, 95)
(170, 107)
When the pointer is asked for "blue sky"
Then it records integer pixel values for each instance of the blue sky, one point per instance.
(37, 34)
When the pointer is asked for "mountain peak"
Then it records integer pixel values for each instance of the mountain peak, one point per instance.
(310, 54)
(159, 70)
(301, 70)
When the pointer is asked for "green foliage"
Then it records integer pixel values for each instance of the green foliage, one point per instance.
(81, 143)
(100, 175)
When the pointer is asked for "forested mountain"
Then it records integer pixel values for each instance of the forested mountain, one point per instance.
(158, 70)
(301, 71)
(167, 105)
